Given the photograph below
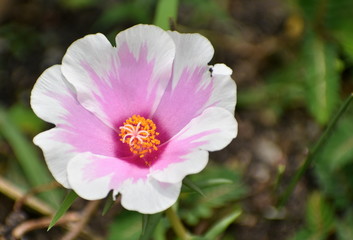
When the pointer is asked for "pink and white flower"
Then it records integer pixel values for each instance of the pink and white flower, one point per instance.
(135, 118)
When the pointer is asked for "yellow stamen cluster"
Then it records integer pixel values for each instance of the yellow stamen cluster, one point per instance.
(140, 133)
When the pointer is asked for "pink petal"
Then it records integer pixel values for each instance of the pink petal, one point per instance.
(192, 88)
(186, 153)
(77, 130)
(115, 83)
(93, 176)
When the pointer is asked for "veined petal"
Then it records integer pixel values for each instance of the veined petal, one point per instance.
(186, 153)
(77, 130)
(193, 88)
(115, 83)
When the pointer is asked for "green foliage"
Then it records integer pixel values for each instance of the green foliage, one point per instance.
(344, 226)
(222, 225)
(167, 10)
(190, 184)
(138, 11)
(25, 119)
(65, 205)
(28, 159)
(332, 19)
(78, 4)
(334, 164)
(109, 202)
(319, 219)
(194, 206)
(206, 12)
(22, 39)
(127, 225)
(149, 223)
(320, 76)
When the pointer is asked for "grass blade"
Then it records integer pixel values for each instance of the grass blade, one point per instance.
(68, 201)
(190, 184)
(314, 152)
(109, 202)
(222, 225)
(35, 171)
(149, 223)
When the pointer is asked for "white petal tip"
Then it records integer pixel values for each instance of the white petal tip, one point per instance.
(221, 69)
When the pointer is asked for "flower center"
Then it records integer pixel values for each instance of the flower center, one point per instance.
(140, 133)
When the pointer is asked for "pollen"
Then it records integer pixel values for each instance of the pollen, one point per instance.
(140, 134)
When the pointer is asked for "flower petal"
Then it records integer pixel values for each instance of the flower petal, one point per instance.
(44, 97)
(56, 153)
(192, 51)
(149, 196)
(115, 83)
(224, 92)
(77, 130)
(93, 176)
(84, 178)
(193, 89)
(186, 153)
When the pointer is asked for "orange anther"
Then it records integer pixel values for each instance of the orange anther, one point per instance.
(140, 133)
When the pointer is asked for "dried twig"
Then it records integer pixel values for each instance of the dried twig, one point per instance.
(13, 192)
(39, 189)
(31, 225)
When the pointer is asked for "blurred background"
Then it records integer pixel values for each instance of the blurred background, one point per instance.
(293, 65)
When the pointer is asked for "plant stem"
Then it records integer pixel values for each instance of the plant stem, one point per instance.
(176, 224)
(313, 153)
(167, 11)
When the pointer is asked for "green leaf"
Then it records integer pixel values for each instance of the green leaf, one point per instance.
(344, 226)
(78, 4)
(25, 119)
(303, 234)
(138, 11)
(222, 225)
(149, 223)
(319, 219)
(166, 10)
(319, 215)
(109, 202)
(339, 21)
(334, 163)
(127, 226)
(321, 77)
(190, 184)
(194, 207)
(35, 171)
(66, 204)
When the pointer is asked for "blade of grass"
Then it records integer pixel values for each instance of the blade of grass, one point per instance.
(109, 202)
(166, 10)
(222, 225)
(313, 153)
(190, 184)
(66, 204)
(35, 171)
